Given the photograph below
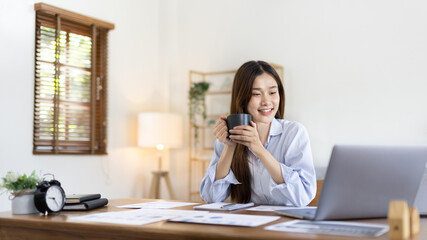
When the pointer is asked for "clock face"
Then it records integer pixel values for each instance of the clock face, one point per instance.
(55, 198)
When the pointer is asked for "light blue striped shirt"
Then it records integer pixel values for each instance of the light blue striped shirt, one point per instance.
(288, 142)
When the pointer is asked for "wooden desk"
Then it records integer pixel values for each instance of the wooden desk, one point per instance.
(58, 227)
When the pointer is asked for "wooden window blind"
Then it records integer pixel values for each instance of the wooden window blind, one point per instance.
(70, 83)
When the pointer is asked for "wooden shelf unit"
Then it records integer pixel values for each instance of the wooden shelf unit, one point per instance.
(200, 151)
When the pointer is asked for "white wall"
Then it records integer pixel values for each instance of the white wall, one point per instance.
(354, 70)
(354, 73)
(133, 87)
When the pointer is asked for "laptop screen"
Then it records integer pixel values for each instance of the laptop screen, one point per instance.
(361, 180)
(421, 199)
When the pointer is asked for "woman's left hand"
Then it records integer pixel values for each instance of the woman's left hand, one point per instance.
(246, 135)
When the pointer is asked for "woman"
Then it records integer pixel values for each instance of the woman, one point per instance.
(268, 162)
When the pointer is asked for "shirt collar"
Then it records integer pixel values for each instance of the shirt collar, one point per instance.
(275, 128)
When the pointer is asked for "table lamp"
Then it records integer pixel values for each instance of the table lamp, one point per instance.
(160, 130)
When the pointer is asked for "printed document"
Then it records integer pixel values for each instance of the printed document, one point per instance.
(136, 217)
(226, 219)
(157, 205)
(222, 206)
(272, 208)
(331, 227)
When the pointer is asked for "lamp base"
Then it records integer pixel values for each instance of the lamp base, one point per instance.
(155, 184)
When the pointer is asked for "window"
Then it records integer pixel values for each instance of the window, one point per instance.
(70, 83)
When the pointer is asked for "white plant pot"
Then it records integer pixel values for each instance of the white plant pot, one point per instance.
(23, 202)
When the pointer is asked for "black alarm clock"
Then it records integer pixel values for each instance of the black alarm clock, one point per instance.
(49, 197)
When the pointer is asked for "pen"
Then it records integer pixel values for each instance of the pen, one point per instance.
(227, 205)
(235, 206)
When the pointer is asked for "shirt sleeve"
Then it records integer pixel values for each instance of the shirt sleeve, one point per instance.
(219, 190)
(299, 187)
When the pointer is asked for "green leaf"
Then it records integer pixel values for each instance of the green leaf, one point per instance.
(22, 182)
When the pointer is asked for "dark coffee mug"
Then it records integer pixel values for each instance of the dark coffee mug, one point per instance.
(238, 119)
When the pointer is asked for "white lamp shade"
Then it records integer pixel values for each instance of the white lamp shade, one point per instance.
(157, 128)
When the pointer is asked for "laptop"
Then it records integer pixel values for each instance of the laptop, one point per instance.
(421, 198)
(361, 181)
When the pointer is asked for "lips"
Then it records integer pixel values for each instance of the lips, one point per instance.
(266, 110)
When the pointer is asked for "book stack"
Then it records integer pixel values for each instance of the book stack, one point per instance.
(84, 202)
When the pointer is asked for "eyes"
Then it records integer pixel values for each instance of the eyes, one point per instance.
(256, 94)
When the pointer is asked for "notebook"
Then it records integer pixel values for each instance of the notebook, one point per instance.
(78, 198)
(86, 205)
(361, 181)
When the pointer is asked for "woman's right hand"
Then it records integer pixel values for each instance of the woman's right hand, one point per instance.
(220, 131)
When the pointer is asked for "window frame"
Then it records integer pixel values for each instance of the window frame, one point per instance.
(98, 32)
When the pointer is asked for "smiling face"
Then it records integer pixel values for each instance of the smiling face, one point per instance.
(258, 90)
(265, 99)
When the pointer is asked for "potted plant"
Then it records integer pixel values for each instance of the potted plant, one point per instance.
(22, 188)
(197, 104)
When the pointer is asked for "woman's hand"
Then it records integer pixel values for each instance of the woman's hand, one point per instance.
(246, 135)
(220, 131)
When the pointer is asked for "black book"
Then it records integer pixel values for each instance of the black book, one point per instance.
(78, 198)
(86, 205)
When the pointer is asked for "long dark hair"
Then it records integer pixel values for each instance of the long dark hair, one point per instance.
(240, 96)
